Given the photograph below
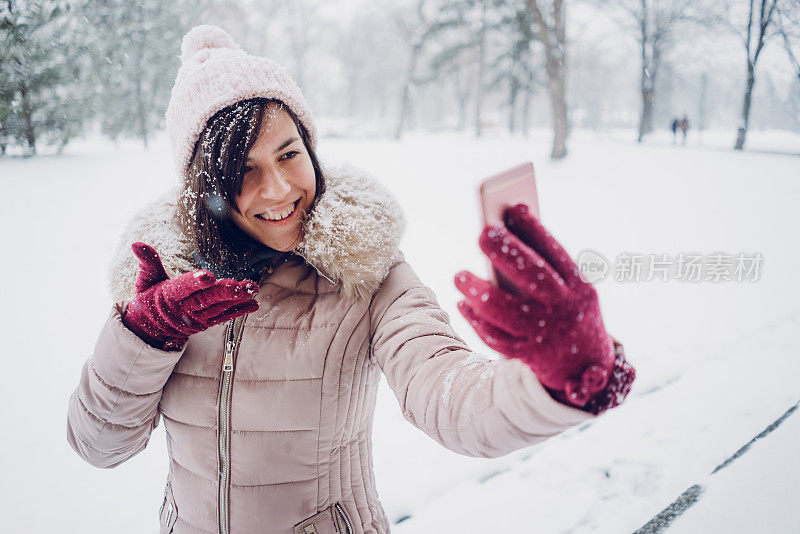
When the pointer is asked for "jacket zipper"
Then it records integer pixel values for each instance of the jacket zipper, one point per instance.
(343, 515)
(231, 343)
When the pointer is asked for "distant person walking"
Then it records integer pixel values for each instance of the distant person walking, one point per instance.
(684, 126)
(675, 125)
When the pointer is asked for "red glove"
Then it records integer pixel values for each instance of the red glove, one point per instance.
(166, 311)
(555, 325)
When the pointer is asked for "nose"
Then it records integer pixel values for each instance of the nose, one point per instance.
(274, 185)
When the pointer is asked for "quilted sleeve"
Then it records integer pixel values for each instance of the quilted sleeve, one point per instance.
(115, 406)
(470, 403)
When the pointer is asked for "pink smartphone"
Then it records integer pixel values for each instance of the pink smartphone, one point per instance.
(498, 192)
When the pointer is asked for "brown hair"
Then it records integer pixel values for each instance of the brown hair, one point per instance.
(215, 178)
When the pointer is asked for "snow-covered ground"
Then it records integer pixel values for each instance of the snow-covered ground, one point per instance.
(717, 361)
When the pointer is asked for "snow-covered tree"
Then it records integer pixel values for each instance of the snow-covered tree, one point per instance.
(514, 65)
(483, 50)
(452, 62)
(429, 19)
(754, 37)
(42, 64)
(461, 50)
(136, 51)
(369, 55)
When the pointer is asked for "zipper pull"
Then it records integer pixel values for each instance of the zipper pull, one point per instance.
(228, 364)
(230, 346)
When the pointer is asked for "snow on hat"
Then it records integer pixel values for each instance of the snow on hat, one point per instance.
(215, 73)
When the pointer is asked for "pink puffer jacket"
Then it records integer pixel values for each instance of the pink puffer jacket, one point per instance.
(269, 417)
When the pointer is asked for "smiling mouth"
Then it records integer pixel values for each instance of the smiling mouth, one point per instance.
(280, 216)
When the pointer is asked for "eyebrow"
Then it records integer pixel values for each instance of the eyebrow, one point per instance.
(286, 143)
(283, 145)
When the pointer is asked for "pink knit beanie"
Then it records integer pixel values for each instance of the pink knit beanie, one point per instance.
(216, 73)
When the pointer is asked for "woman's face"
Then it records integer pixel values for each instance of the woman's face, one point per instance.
(278, 185)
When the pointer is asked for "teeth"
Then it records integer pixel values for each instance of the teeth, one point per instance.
(269, 216)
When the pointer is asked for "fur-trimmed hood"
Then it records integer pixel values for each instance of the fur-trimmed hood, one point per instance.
(352, 236)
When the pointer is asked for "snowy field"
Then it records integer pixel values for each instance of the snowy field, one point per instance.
(717, 361)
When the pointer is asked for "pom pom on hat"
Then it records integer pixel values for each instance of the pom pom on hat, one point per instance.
(205, 36)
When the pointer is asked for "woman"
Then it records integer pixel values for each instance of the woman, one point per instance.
(269, 296)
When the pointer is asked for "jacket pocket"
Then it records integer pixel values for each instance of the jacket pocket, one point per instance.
(331, 520)
(168, 514)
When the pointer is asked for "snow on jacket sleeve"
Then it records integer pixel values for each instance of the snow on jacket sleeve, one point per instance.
(470, 403)
(115, 406)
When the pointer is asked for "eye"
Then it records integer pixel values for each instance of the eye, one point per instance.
(289, 155)
(247, 169)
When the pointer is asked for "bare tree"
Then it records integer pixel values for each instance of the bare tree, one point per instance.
(461, 51)
(464, 53)
(301, 16)
(515, 67)
(760, 14)
(427, 23)
(788, 26)
(456, 62)
(550, 20)
(480, 74)
(657, 25)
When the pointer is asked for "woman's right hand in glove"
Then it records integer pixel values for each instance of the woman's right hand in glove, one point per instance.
(552, 322)
(166, 311)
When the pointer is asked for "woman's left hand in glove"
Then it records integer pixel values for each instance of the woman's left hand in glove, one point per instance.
(553, 320)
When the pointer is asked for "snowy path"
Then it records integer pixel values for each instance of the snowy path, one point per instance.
(763, 481)
(758, 483)
(622, 470)
(717, 362)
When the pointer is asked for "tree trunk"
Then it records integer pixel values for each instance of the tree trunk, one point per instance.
(655, 65)
(481, 66)
(141, 115)
(478, 99)
(512, 105)
(462, 96)
(645, 84)
(702, 107)
(526, 107)
(744, 124)
(405, 92)
(558, 104)
(646, 114)
(763, 22)
(138, 90)
(526, 103)
(648, 92)
(29, 129)
(554, 39)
